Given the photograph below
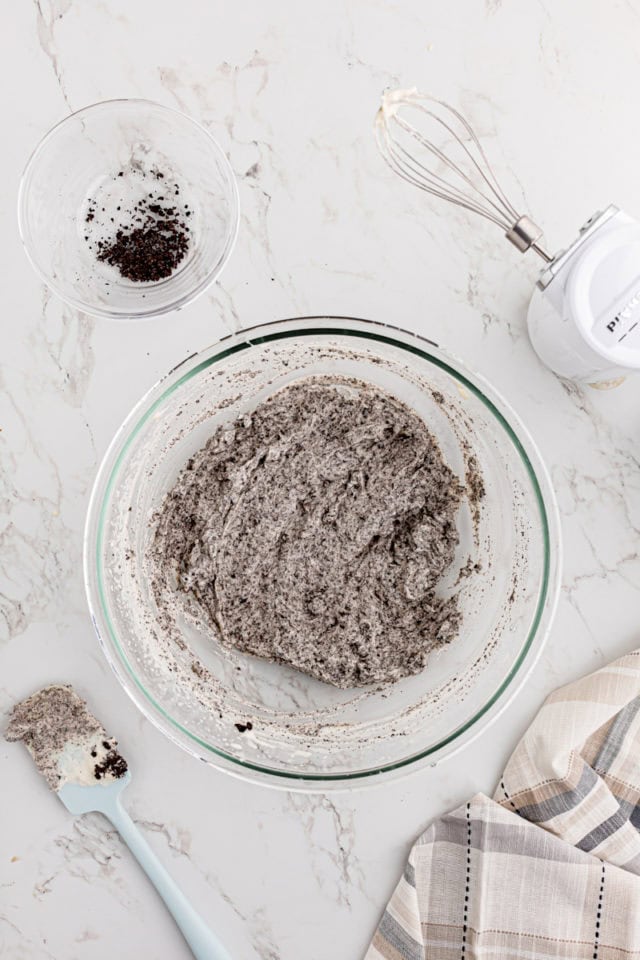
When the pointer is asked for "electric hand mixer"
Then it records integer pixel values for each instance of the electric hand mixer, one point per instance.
(584, 315)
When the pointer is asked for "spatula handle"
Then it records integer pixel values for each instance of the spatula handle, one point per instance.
(203, 942)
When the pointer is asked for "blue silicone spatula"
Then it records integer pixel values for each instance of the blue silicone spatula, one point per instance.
(81, 763)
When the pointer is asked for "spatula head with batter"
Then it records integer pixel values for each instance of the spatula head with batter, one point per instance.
(68, 744)
(81, 763)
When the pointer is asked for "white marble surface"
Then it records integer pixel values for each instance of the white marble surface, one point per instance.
(289, 89)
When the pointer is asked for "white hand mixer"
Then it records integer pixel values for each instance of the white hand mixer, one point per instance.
(584, 315)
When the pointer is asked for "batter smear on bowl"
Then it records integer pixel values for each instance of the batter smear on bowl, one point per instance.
(315, 532)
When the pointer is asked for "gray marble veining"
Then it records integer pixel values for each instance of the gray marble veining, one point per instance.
(290, 90)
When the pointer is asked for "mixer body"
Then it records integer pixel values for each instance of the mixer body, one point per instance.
(584, 316)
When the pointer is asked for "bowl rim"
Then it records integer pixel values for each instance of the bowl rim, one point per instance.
(544, 496)
(142, 314)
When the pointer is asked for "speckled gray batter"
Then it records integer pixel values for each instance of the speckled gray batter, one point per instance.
(314, 532)
(52, 719)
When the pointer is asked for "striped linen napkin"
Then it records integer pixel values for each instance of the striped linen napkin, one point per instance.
(551, 866)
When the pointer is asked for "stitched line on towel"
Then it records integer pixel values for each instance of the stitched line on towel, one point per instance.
(507, 797)
(596, 939)
(550, 780)
(465, 916)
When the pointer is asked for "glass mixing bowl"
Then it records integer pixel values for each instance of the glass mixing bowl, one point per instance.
(305, 734)
(97, 164)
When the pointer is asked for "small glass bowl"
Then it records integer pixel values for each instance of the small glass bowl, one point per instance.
(304, 734)
(104, 159)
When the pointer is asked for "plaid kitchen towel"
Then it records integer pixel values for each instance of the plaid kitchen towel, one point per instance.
(551, 866)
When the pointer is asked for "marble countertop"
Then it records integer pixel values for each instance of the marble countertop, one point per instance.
(289, 90)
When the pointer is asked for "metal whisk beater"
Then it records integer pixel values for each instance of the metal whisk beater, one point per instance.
(467, 179)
